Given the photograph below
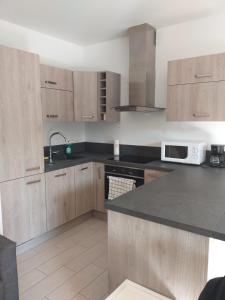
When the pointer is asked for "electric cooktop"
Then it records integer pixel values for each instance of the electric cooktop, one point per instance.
(134, 159)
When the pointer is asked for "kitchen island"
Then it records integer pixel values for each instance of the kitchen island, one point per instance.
(168, 235)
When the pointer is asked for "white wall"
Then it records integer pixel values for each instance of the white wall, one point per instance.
(204, 36)
(52, 51)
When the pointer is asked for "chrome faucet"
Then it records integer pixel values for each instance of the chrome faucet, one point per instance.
(50, 144)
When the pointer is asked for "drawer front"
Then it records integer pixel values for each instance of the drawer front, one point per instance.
(194, 70)
(56, 78)
(197, 102)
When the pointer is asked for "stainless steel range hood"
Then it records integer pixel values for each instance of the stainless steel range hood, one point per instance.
(142, 46)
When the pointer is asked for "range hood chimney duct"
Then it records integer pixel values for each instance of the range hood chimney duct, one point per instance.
(142, 46)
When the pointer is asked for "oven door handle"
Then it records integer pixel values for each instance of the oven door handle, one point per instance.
(123, 175)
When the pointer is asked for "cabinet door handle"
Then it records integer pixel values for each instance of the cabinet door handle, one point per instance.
(52, 116)
(50, 82)
(34, 181)
(84, 169)
(33, 169)
(201, 115)
(59, 175)
(88, 117)
(202, 75)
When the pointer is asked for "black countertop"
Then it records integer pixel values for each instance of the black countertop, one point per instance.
(190, 198)
(85, 157)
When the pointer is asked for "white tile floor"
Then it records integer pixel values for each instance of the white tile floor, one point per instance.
(71, 266)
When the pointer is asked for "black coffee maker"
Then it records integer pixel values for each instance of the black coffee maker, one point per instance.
(217, 156)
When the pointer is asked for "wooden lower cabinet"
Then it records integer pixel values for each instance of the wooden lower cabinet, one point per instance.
(151, 175)
(167, 260)
(23, 208)
(60, 197)
(99, 185)
(84, 188)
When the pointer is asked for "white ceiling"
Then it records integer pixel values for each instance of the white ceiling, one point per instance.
(91, 21)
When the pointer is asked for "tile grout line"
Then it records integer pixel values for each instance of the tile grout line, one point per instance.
(75, 274)
(62, 265)
(35, 282)
(45, 296)
(91, 282)
(40, 264)
(60, 284)
(70, 268)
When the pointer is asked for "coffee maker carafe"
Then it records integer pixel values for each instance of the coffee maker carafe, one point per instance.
(217, 156)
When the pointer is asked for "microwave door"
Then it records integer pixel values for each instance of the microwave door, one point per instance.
(176, 153)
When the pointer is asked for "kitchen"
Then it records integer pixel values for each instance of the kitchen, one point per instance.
(75, 188)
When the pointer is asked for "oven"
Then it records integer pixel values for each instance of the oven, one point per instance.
(123, 172)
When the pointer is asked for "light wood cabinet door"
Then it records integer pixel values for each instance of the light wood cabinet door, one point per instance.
(56, 78)
(60, 197)
(196, 102)
(85, 96)
(151, 175)
(23, 208)
(21, 138)
(99, 184)
(198, 69)
(84, 186)
(112, 96)
(57, 105)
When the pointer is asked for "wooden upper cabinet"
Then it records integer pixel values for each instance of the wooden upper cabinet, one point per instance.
(57, 105)
(23, 208)
(56, 78)
(21, 137)
(197, 102)
(84, 187)
(85, 96)
(60, 197)
(95, 96)
(198, 69)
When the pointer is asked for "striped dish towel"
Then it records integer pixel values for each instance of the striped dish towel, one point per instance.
(119, 186)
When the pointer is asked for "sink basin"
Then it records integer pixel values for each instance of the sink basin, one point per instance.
(74, 158)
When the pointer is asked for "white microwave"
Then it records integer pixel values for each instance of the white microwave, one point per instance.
(184, 152)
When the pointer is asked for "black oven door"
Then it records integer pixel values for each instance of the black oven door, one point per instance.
(139, 181)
